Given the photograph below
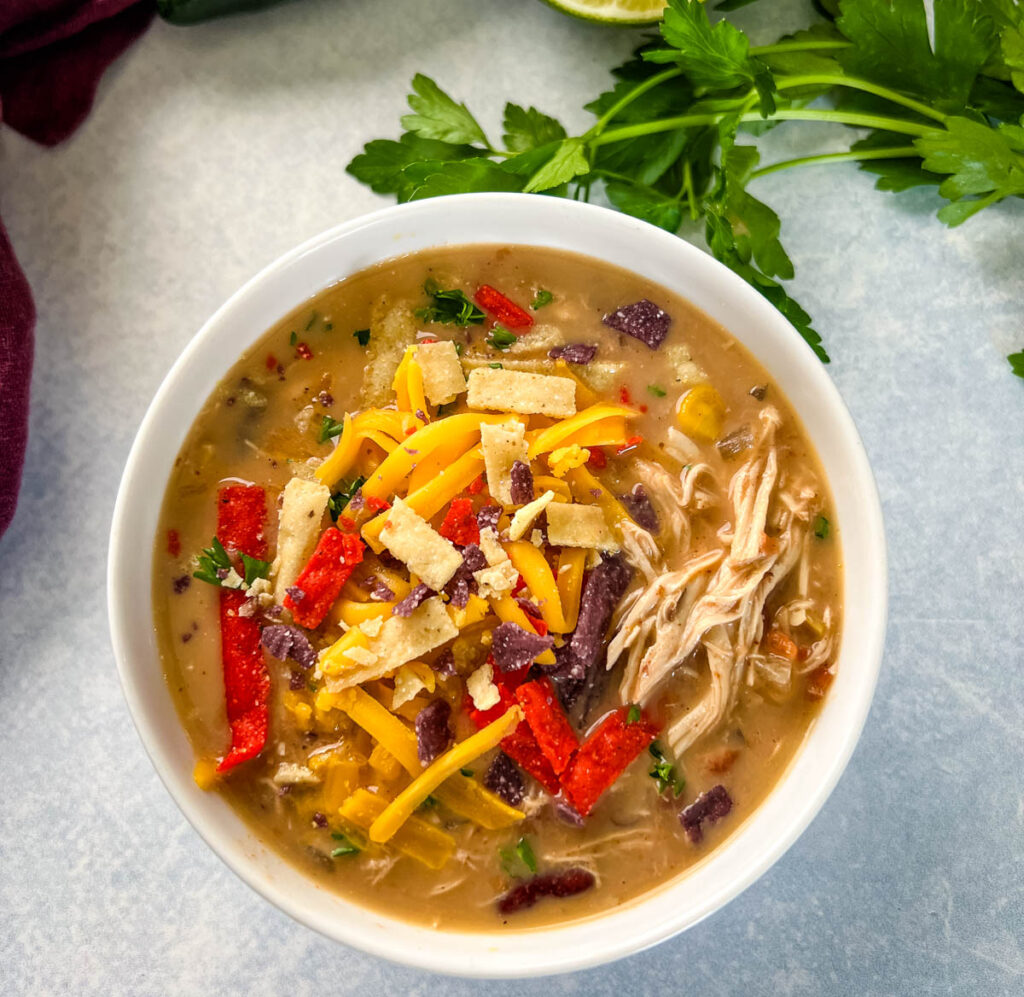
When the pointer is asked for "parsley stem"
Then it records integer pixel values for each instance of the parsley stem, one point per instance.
(794, 46)
(894, 152)
(627, 99)
(855, 119)
(855, 83)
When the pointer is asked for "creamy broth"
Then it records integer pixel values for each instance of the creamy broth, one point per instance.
(261, 425)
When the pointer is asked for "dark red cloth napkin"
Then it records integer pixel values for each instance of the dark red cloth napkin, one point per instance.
(52, 55)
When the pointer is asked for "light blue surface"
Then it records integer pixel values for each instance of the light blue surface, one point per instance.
(211, 151)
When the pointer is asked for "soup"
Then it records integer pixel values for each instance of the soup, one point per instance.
(496, 586)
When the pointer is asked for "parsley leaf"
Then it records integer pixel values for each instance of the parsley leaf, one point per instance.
(362, 336)
(423, 180)
(527, 128)
(891, 46)
(716, 58)
(329, 428)
(541, 298)
(1016, 361)
(656, 390)
(449, 307)
(978, 160)
(382, 162)
(213, 559)
(254, 568)
(569, 160)
(821, 526)
(633, 714)
(438, 116)
(500, 338)
(644, 202)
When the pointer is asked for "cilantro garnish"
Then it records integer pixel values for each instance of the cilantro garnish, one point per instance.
(341, 498)
(329, 428)
(656, 390)
(518, 857)
(677, 135)
(664, 772)
(450, 307)
(500, 338)
(541, 298)
(312, 321)
(293, 338)
(821, 527)
(362, 336)
(496, 366)
(633, 714)
(466, 772)
(213, 559)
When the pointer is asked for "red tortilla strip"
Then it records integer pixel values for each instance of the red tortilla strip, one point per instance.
(241, 510)
(324, 575)
(603, 757)
(548, 723)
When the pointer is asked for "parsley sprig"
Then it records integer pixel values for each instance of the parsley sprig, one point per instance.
(676, 135)
(215, 559)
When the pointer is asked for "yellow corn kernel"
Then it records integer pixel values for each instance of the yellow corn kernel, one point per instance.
(205, 773)
(566, 458)
(384, 763)
(701, 413)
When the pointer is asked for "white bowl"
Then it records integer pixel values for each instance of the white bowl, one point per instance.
(618, 239)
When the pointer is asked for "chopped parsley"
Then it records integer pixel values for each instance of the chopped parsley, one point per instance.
(345, 848)
(312, 321)
(341, 498)
(633, 716)
(541, 298)
(362, 336)
(329, 428)
(448, 307)
(518, 857)
(293, 338)
(664, 772)
(501, 338)
(821, 527)
(496, 366)
(656, 390)
(213, 559)
(466, 772)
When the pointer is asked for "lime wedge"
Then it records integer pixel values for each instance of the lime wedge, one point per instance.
(612, 11)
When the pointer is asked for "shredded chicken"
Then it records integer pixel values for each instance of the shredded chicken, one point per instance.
(713, 606)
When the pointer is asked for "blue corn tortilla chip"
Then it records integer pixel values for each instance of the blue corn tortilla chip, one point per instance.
(578, 353)
(638, 505)
(488, 516)
(642, 320)
(504, 779)
(463, 582)
(283, 641)
(566, 883)
(710, 807)
(603, 589)
(413, 600)
(433, 732)
(514, 648)
(522, 483)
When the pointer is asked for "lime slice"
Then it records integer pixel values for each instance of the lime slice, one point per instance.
(612, 11)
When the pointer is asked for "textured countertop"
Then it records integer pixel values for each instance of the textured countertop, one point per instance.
(211, 151)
